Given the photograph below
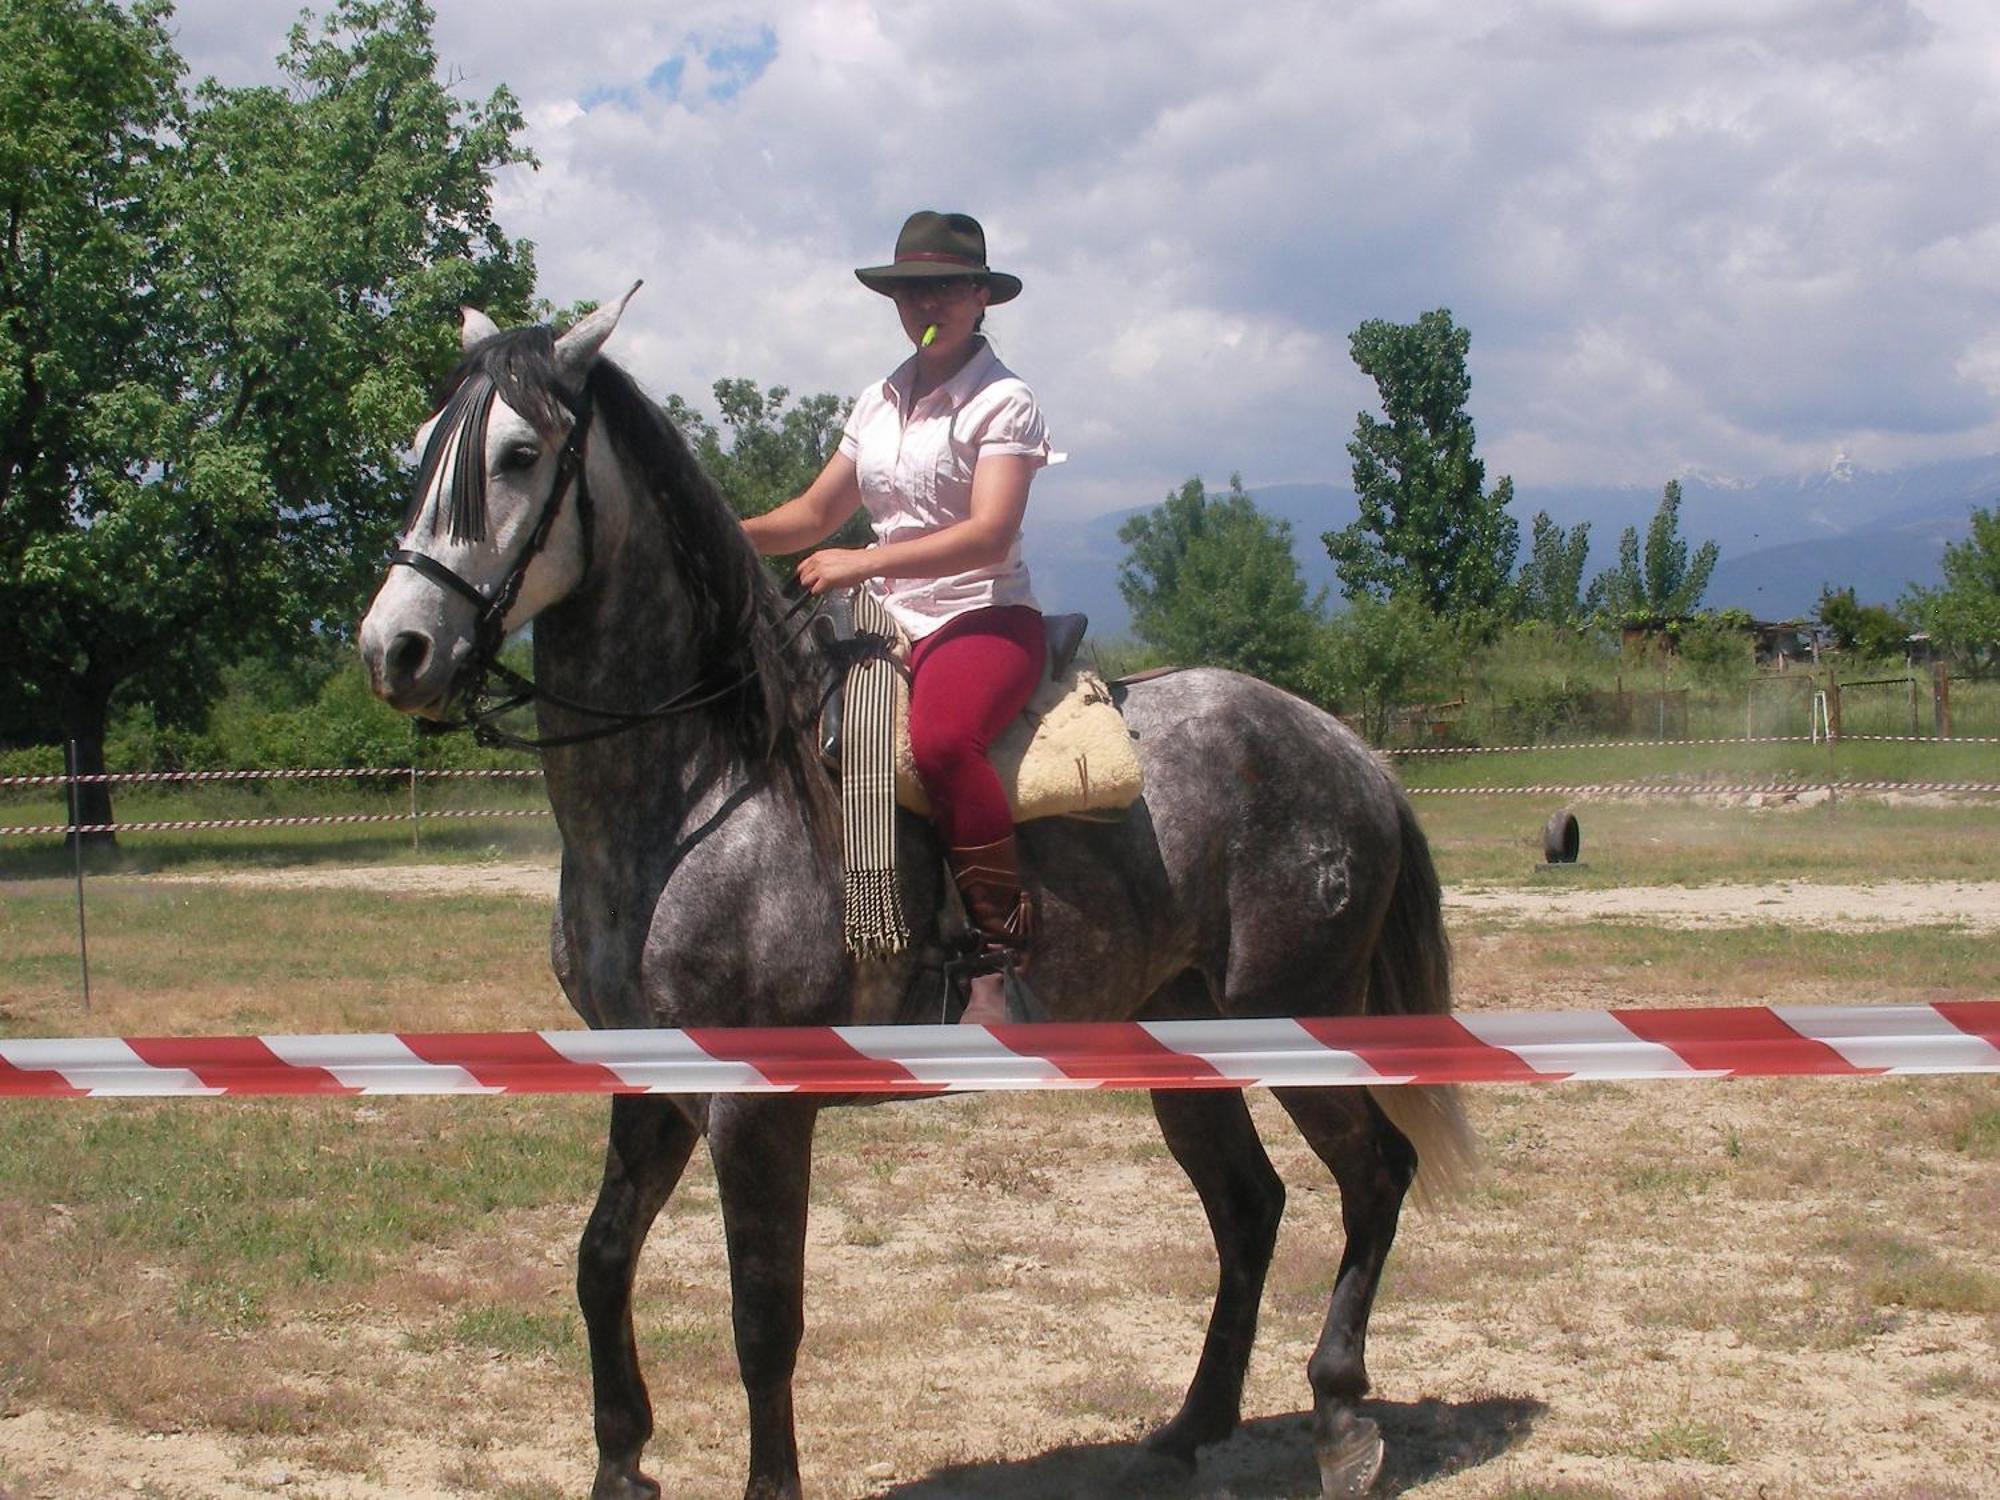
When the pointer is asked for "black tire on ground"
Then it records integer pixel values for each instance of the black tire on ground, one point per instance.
(1560, 839)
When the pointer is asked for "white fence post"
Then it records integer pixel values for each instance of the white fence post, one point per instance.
(76, 846)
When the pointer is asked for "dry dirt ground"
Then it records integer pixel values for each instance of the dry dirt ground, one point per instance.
(1840, 908)
(1663, 1291)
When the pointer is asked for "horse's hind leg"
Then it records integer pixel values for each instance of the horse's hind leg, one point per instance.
(648, 1150)
(1374, 1164)
(1212, 1137)
(762, 1150)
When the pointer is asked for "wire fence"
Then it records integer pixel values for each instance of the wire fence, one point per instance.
(1927, 702)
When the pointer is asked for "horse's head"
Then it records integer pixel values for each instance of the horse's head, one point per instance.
(498, 528)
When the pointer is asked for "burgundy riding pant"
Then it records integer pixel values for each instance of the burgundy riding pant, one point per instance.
(967, 682)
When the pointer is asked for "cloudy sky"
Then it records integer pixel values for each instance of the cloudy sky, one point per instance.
(1727, 236)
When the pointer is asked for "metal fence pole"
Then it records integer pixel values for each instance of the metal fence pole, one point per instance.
(76, 846)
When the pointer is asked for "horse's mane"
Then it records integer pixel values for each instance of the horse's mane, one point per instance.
(738, 628)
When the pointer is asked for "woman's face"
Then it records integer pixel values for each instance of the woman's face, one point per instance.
(953, 303)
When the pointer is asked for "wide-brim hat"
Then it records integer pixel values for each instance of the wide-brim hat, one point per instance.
(934, 245)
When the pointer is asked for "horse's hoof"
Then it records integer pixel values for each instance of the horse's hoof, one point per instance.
(1349, 1459)
(624, 1484)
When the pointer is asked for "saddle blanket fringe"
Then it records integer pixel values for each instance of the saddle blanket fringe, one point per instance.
(1830, 1041)
(873, 923)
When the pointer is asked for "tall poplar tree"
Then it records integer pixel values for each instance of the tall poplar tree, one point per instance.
(1428, 525)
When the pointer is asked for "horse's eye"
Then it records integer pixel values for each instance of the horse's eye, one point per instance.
(520, 456)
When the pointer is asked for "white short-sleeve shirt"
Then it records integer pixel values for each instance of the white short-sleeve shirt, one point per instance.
(915, 468)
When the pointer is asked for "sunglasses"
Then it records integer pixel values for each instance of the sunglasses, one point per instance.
(935, 286)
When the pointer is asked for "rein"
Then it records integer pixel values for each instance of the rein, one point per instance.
(483, 708)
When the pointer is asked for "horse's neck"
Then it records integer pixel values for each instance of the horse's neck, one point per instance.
(622, 642)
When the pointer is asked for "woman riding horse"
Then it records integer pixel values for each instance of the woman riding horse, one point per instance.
(942, 453)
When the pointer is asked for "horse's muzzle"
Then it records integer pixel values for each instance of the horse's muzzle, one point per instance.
(408, 669)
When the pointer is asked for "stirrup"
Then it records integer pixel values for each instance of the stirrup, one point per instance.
(1023, 1005)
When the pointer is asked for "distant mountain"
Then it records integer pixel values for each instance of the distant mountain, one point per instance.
(1782, 538)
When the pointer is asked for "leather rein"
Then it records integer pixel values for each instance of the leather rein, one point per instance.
(482, 707)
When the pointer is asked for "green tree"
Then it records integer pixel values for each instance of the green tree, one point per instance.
(1211, 580)
(220, 318)
(1963, 615)
(1379, 655)
(1550, 588)
(1427, 525)
(1868, 629)
(1663, 582)
(766, 451)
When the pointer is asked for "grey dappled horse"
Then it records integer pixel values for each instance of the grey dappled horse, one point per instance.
(1273, 868)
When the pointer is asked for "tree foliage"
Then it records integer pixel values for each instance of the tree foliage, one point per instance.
(1550, 588)
(221, 313)
(766, 451)
(1428, 526)
(1867, 629)
(1661, 583)
(1963, 615)
(1211, 580)
(1379, 655)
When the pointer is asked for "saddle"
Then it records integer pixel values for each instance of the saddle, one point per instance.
(1068, 754)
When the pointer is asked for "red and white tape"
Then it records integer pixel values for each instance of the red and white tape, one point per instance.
(1613, 789)
(336, 773)
(1471, 1047)
(210, 825)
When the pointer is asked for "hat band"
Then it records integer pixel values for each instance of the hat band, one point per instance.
(940, 256)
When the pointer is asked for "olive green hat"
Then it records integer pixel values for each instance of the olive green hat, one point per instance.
(935, 245)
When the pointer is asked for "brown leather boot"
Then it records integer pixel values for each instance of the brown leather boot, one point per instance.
(1002, 916)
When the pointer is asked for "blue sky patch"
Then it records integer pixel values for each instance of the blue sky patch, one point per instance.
(734, 66)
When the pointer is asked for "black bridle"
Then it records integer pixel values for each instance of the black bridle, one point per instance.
(481, 706)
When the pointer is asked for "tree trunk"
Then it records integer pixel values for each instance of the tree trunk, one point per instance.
(86, 713)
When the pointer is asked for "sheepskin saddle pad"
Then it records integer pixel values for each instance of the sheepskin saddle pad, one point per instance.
(1067, 754)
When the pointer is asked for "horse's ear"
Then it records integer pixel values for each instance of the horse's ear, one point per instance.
(475, 328)
(578, 347)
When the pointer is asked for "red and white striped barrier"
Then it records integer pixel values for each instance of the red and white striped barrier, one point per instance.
(209, 825)
(338, 773)
(1472, 1047)
(1734, 739)
(1700, 788)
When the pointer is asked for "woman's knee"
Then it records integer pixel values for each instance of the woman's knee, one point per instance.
(942, 754)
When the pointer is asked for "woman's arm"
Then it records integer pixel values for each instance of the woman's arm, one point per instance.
(999, 500)
(811, 517)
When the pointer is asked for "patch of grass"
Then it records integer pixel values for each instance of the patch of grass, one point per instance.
(1685, 1440)
(864, 1234)
(1972, 1382)
(1727, 965)
(251, 1200)
(1898, 1272)
(169, 959)
(513, 1330)
(1975, 1132)
(1498, 840)
(1678, 1179)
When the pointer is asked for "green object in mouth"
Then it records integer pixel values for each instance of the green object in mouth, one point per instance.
(930, 333)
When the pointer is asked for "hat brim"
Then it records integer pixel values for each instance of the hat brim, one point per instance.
(1000, 286)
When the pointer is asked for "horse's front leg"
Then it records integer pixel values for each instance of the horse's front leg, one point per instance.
(762, 1149)
(649, 1147)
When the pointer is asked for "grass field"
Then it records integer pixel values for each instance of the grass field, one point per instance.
(1775, 1289)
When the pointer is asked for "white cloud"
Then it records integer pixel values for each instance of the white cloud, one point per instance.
(1730, 235)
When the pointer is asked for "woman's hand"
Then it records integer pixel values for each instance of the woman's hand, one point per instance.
(836, 568)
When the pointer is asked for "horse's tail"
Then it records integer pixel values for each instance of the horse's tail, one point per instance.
(1409, 974)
